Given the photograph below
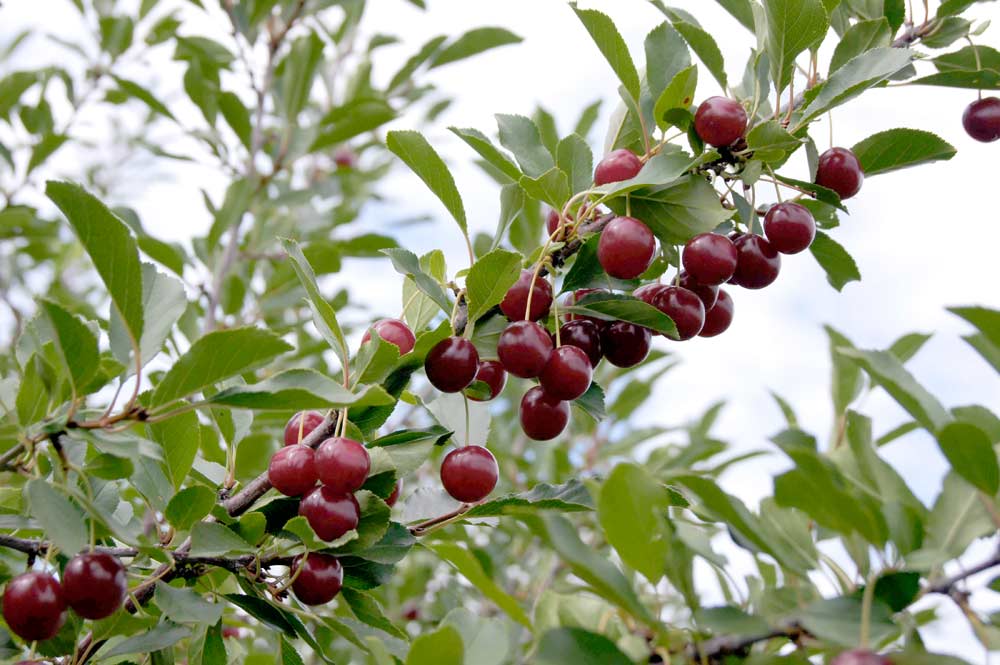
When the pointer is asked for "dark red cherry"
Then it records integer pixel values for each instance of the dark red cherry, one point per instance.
(515, 301)
(789, 227)
(94, 585)
(492, 373)
(577, 296)
(524, 348)
(648, 292)
(708, 294)
(452, 364)
(718, 318)
(617, 165)
(319, 580)
(567, 374)
(303, 422)
(758, 263)
(342, 464)
(552, 223)
(626, 248)
(344, 157)
(840, 171)
(394, 497)
(395, 332)
(585, 335)
(859, 657)
(684, 307)
(469, 473)
(710, 258)
(331, 514)
(982, 119)
(33, 606)
(625, 344)
(543, 416)
(720, 121)
(292, 470)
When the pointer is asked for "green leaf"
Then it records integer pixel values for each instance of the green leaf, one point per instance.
(440, 647)
(324, 316)
(299, 71)
(489, 279)
(521, 136)
(970, 452)
(552, 187)
(908, 346)
(367, 609)
(238, 196)
(482, 145)
(679, 94)
(418, 154)
(574, 158)
(632, 509)
(677, 212)
(619, 307)
(133, 89)
(408, 449)
(611, 44)
(76, 343)
(663, 168)
(986, 320)
(899, 149)
(770, 142)
(898, 589)
(861, 37)
(186, 606)
(473, 43)
(666, 55)
(838, 620)
(351, 119)
(839, 266)
(406, 263)
(163, 636)
(111, 247)
(32, 401)
(420, 57)
(957, 518)
(62, 522)
(466, 563)
(213, 539)
(702, 43)
(217, 356)
(44, 149)
(180, 438)
(576, 646)
(592, 402)
(486, 639)
(792, 27)
(568, 497)
(298, 389)
(289, 656)
(189, 506)
(237, 116)
(741, 10)
(729, 620)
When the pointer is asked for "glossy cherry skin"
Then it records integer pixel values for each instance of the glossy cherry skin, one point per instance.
(33, 606)
(524, 348)
(710, 258)
(543, 416)
(585, 335)
(94, 585)
(342, 464)
(395, 332)
(492, 373)
(684, 307)
(292, 470)
(626, 248)
(309, 420)
(859, 657)
(648, 292)
(394, 497)
(567, 374)
(617, 165)
(515, 301)
(718, 318)
(840, 171)
(625, 344)
(469, 473)
(331, 514)
(452, 364)
(758, 263)
(576, 297)
(708, 294)
(720, 121)
(982, 119)
(319, 580)
(789, 227)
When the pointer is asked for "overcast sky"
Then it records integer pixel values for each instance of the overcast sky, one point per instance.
(924, 239)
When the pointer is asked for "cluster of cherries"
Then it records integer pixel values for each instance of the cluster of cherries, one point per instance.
(94, 585)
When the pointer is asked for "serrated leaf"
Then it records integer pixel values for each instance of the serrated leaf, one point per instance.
(632, 510)
(482, 145)
(568, 497)
(76, 343)
(406, 263)
(619, 307)
(212, 539)
(62, 522)
(896, 149)
(792, 27)
(861, 37)
(489, 279)
(611, 44)
(472, 43)
(298, 389)
(162, 636)
(702, 43)
(186, 606)
(970, 452)
(189, 505)
(133, 89)
(417, 153)
(839, 266)
(521, 136)
(466, 563)
(180, 438)
(324, 316)
(677, 212)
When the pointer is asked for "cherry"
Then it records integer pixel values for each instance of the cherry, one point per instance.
(492, 373)
(331, 514)
(840, 171)
(543, 416)
(515, 302)
(684, 307)
(395, 332)
(790, 227)
(718, 318)
(292, 470)
(982, 119)
(552, 223)
(719, 121)
(307, 420)
(524, 348)
(860, 657)
(648, 292)
(394, 497)
(318, 578)
(758, 263)
(708, 294)
(625, 344)
(232, 632)
(33, 606)
(342, 464)
(567, 374)
(710, 258)
(617, 165)
(94, 585)
(576, 297)
(344, 157)
(452, 364)
(469, 473)
(626, 248)
(585, 335)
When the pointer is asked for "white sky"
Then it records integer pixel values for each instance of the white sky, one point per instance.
(924, 238)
